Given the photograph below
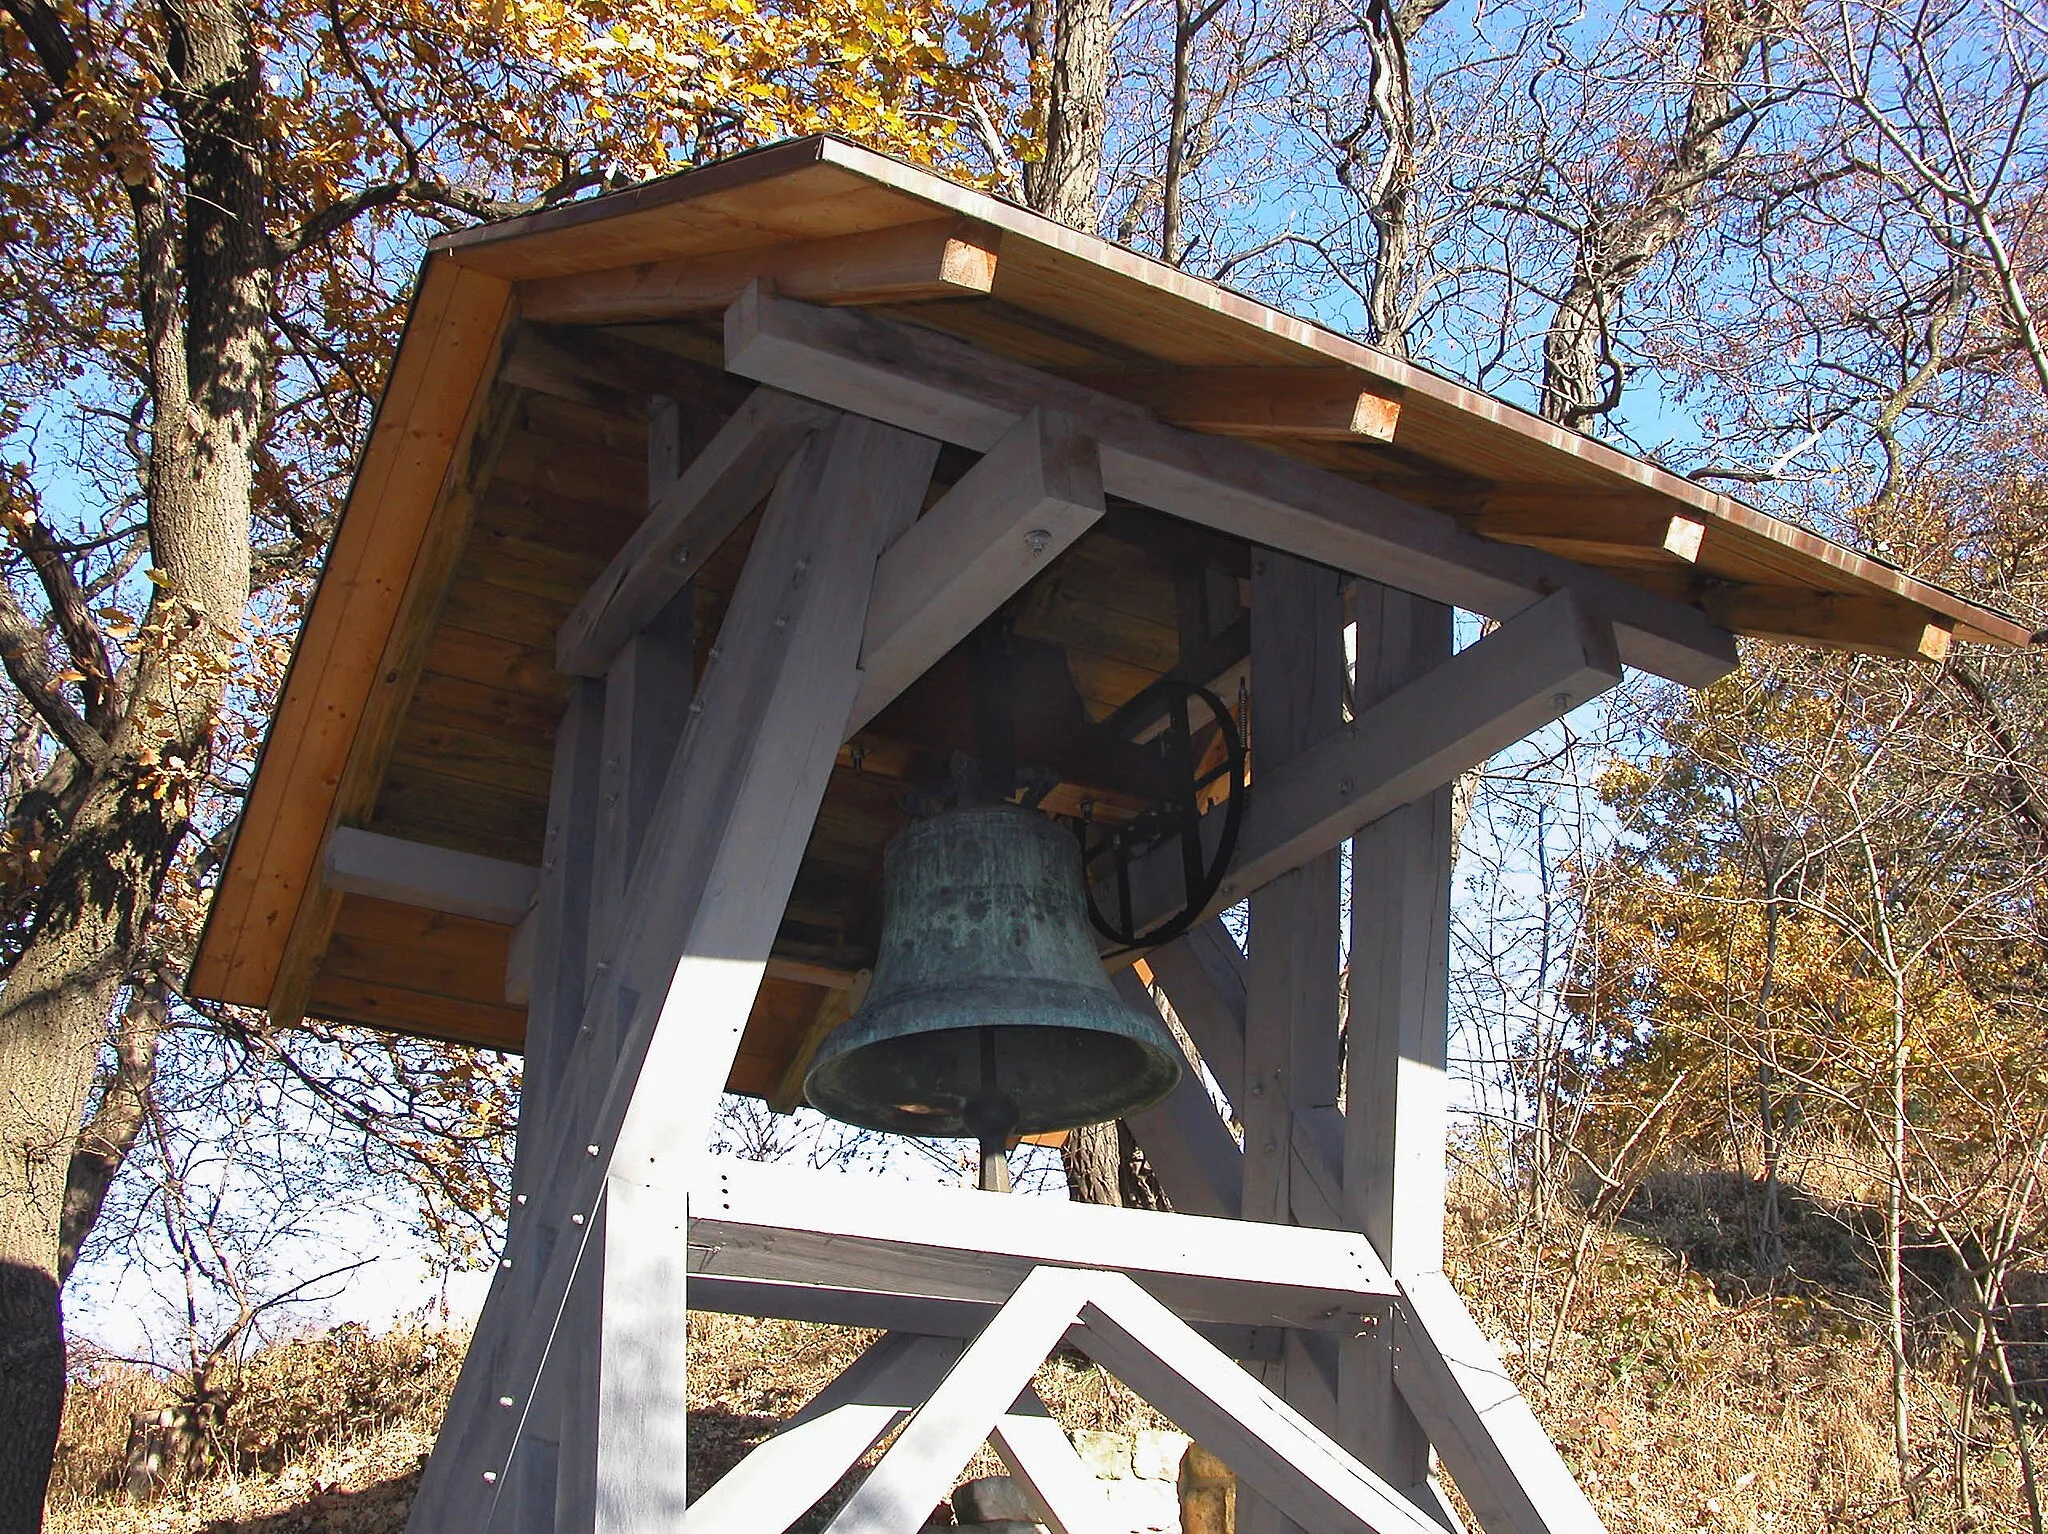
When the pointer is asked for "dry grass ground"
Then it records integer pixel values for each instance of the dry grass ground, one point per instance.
(1683, 1400)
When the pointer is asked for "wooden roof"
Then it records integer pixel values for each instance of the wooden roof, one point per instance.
(507, 466)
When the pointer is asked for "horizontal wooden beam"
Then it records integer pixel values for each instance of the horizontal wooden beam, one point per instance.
(1620, 526)
(1851, 622)
(945, 258)
(685, 525)
(942, 387)
(774, 1223)
(1030, 497)
(930, 1316)
(601, 369)
(433, 878)
(1847, 620)
(1325, 403)
(1533, 669)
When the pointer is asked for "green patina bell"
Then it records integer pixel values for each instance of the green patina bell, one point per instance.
(989, 1014)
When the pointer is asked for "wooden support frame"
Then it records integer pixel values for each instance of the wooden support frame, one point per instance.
(958, 1395)
(1532, 670)
(932, 384)
(1184, 1137)
(1394, 1134)
(1291, 998)
(781, 1225)
(709, 800)
(1029, 498)
(680, 972)
(688, 520)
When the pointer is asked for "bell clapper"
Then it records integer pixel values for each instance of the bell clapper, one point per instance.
(991, 1115)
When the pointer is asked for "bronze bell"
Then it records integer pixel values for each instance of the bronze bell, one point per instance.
(989, 1015)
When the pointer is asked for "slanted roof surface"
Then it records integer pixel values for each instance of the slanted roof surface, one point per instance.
(498, 481)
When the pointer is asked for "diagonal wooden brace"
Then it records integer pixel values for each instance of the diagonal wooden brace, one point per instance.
(711, 883)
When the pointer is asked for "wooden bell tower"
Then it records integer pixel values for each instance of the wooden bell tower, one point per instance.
(596, 760)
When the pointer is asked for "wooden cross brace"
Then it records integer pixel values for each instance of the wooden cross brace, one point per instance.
(958, 1396)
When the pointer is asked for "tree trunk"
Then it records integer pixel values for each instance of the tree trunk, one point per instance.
(1064, 186)
(103, 1148)
(1390, 198)
(1105, 1166)
(1582, 377)
(1089, 1156)
(1894, 1253)
(203, 284)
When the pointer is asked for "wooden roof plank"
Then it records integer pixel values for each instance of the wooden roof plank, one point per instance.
(1256, 402)
(458, 318)
(942, 258)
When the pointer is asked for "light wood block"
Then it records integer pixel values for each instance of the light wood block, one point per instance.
(943, 258)
(1326, 403)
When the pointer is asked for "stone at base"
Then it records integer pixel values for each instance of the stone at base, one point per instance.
(1156, 1454)
(991, 1499)
(1107, 1455)
(1208, 1494)
(1144, 1507)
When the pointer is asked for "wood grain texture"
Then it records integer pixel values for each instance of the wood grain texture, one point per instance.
(382, 717)
(684, 967)
(929, 383)
(685, 526)
(1393, 1148)
(785, 1225)
(944, 258)
(429, 405)
(1008, 519)
(1256, 402)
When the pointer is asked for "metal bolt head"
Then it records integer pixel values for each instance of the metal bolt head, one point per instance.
(590, 1150)
(490, 1477)
(1038, 540)
(506, 1402)
(681, 555)
(575, 1219)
